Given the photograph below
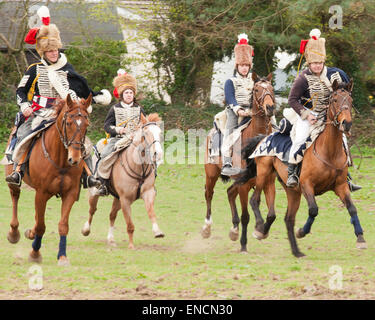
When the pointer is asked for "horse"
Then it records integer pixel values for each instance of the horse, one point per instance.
(324, 168)
(54, 168)
(263, 100)
(132, 177)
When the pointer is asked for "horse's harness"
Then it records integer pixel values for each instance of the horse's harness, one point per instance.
(66, 142)
(335, 123)
(259, 101)
(147, 168)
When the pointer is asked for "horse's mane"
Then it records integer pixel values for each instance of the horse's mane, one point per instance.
(59, 105)
(153, 117)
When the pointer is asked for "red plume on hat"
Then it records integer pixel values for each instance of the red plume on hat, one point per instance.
(44, 16)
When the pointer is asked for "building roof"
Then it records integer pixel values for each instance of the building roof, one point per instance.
(73, 20)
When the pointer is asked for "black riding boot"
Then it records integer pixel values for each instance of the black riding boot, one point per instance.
(352, 186)
(227, 169)
(15, 177)
(292, 175)
(90, 181)
(103, 188)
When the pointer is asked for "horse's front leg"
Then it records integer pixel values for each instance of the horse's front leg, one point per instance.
(39, 228)
(116, 206)
(149, 198)
(243, 192)
(270, 192)
(294, 199)
(232, 193)
(93, 201)
(211, 179)
(308, 192)
(68, 200)
(343, 192)
(14, 233)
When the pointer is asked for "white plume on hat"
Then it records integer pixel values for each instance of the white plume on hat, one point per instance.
(242, 36)
(43, 12)
(315, 32)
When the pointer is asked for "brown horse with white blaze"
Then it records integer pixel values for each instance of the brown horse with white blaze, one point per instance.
(54, 168)
(324, 168)
(132, 177)
(263, 100)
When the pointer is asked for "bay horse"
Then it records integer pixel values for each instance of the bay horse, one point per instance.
(263, 100)
(132, 177)
(55, 167)
(324, 168)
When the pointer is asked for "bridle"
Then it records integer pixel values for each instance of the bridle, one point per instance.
(77, 145)
(344, 106)
(335, 123)
(147, 167)
(259, 101)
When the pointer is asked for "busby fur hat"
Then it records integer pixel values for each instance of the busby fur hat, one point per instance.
(46, 37)
(314, 48)
(243, 52)
(122, 82)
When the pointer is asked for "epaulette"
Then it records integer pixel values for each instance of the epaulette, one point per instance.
(33, 64)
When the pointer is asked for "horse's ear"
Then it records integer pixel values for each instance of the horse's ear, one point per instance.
(254, 76)
(69, 101)
(350, 85)
(269, 77)
(335, 85)
(143, 119)
(88, 100)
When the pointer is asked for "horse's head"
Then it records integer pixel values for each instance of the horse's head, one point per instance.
(149, 138)
(72, 123)
(263, 95)
(340, 106)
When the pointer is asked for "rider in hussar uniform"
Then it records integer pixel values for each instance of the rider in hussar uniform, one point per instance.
(238, 93)
(122, 121)
(309, 97)
(42, 83)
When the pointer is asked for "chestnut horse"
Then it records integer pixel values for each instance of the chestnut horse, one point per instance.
(132, 177)
(324, 168)
(55, 167)
(263, 100)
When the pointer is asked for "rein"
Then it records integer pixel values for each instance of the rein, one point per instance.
(146, 168)
(66, 143)
(335, 123)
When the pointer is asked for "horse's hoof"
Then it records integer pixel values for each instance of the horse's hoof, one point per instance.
(300, 233)
(111, 243)
(206, 232)
(13, 237)
(35, 257)
(299, 254)
(86, 229)
(159, 235)
(28, 234)
(361, 243)
(234, 234)
(85, 232)
(259, 236)
(131, 246)
(243, 250)
(63, 262)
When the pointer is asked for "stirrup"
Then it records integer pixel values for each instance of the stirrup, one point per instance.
(11, 179)
(353, 187)
(294, 183)
(93, 182)
(102, 191)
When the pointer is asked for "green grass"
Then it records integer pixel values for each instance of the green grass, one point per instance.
(183, 265)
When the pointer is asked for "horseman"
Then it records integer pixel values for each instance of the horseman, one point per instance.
(238, 93)
(309, 97)
(50, 78)
(121, 122)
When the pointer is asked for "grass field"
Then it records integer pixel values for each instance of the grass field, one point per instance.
(183, 265)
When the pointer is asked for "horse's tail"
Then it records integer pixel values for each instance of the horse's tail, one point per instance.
(251, 168)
